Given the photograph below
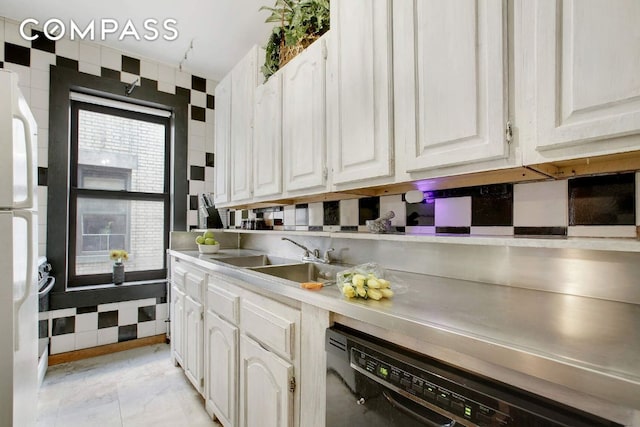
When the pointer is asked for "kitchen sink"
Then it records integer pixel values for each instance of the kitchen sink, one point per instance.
(255, 260)
(301, 272)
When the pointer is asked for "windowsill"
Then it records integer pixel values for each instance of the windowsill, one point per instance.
(113, 286)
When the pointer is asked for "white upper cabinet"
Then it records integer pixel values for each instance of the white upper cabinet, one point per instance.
(223, 140)
(450, 81)
(360, 90)
(581, 61)
(304, 121)
(267, 138)
(244, 79)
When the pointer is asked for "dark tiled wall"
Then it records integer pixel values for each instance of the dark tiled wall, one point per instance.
(29, 58)
(83, 327)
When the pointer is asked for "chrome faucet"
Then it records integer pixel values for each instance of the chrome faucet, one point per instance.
(312, 255)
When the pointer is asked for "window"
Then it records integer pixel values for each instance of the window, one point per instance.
(119, 197)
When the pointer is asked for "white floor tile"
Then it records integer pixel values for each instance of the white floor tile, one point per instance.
(136, 388)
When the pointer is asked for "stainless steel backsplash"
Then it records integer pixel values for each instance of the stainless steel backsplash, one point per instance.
(592, 273)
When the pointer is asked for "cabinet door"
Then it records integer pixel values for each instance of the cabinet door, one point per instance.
(222, 141)
(265, 398)
(586, 61)
(449, 81)
(221, 369)
(267, 138)
(360, 90)
(193, 348)
(243, 83)
(304, 121)
(177, 324)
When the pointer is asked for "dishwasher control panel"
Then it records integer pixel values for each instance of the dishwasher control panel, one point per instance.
(427, 387)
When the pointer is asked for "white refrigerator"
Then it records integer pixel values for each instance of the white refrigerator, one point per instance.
(18, 257)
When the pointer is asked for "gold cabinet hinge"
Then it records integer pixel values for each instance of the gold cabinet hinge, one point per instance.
(292, 384)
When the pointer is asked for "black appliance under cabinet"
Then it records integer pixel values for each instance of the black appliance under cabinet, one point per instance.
(374, 383)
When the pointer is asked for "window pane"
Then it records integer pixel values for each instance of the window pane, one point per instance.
(105, 224)
(118, 153)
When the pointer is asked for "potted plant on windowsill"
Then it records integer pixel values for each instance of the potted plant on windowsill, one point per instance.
(118, 255)
(301, 23)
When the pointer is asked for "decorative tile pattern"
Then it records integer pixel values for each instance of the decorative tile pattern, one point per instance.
(74, 329)
(368, 208)
(602, 200)
(17, 54)
(90, 309)
(107, 319)
(453, 212)
(127, 333)
(42, 42)
(147, 313)
(331, 213)
(420, 214)
(63, 325)
(43, 328)
(540, 204)
(492, 205)
(302, 214)
(130, 65)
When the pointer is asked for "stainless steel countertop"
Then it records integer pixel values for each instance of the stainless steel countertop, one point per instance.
(588, 345)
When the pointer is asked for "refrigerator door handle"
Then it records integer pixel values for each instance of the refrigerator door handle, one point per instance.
(30, 279)
(29, 141)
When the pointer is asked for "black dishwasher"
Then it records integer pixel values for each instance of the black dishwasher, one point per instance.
(375, 383)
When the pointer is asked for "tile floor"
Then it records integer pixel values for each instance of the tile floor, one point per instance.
(133, 388)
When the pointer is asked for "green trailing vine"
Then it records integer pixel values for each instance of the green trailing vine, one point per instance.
(295, 21)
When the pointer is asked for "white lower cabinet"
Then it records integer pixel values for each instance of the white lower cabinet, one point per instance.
(266, 387)
(177, 324)
(193, 344)
(240, 350)
(187, 319)
(221, 369)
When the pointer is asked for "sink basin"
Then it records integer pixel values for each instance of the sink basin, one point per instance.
(301, 272)
(255, 260)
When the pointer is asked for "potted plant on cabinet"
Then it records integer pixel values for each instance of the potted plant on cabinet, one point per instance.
(301, 22)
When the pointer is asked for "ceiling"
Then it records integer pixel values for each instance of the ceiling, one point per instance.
(222, 31)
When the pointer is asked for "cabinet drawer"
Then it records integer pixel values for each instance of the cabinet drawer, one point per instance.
(194, 285)
(223, 303)
(272, 324)
(178, 276)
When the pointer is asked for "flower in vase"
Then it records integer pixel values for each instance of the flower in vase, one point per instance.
(119, 255)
